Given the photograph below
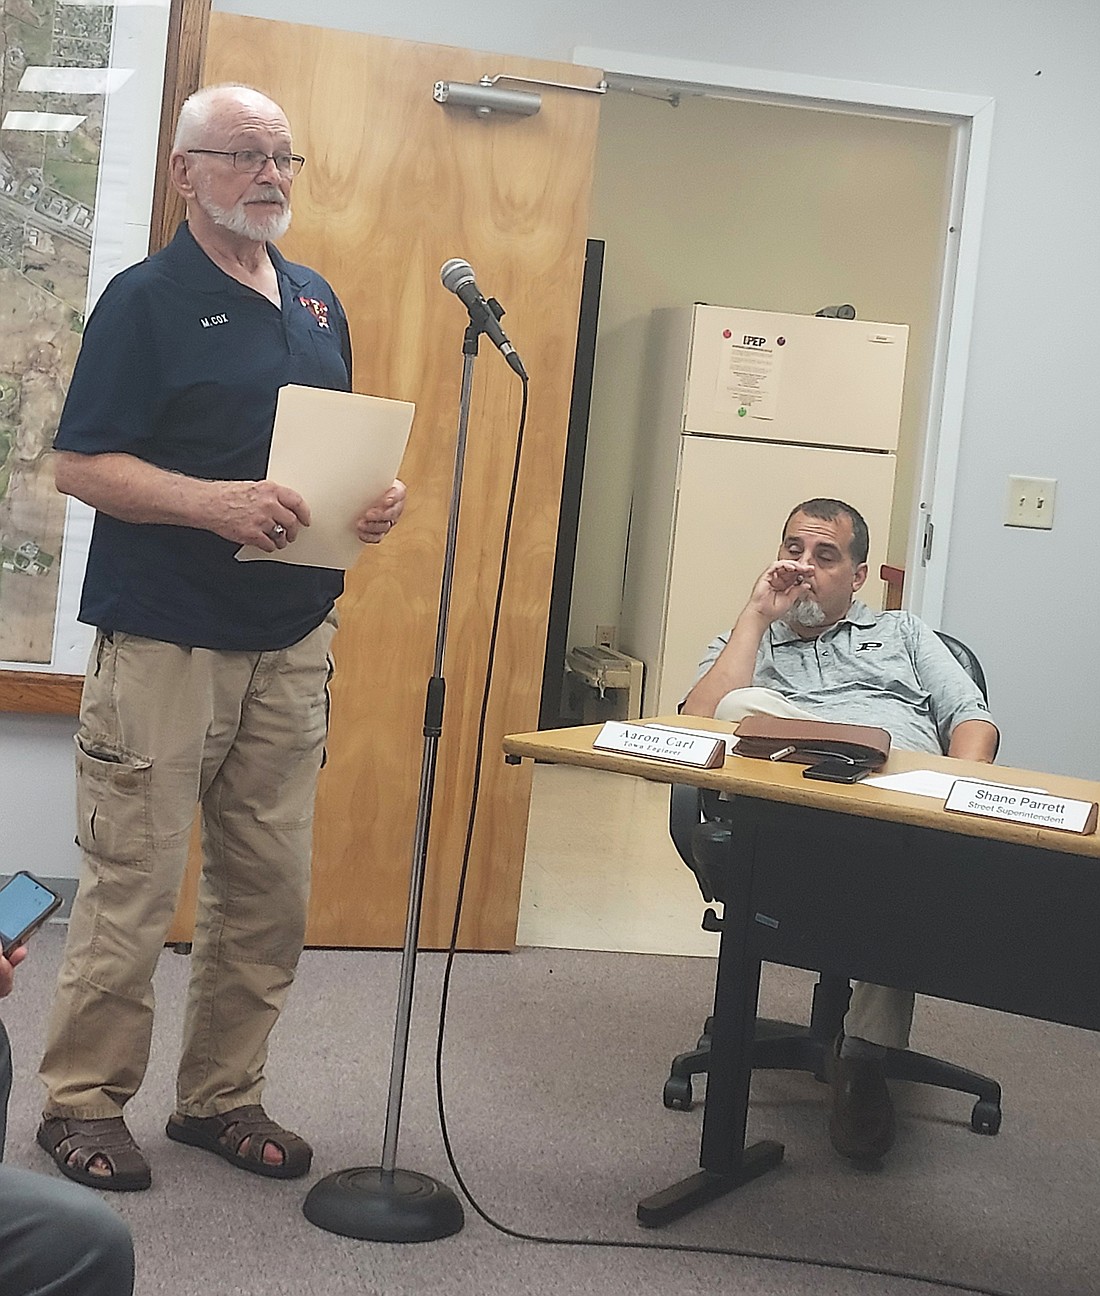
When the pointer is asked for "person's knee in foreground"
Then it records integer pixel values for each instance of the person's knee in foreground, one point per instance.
(55, 1238)
(207, 682)
(806, 641)
(59, 1238)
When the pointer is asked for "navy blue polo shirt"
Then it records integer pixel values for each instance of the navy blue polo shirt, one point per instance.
(181, 366)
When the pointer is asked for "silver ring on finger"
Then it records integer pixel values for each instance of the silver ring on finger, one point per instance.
(277, 531)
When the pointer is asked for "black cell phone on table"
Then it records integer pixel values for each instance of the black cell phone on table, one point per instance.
(25, 904)
(836, 771)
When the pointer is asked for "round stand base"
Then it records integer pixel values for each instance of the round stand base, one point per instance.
(366, 1203)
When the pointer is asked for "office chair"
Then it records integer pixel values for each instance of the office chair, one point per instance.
(701, 836)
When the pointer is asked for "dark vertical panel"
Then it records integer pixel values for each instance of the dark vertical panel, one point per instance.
(561, 594)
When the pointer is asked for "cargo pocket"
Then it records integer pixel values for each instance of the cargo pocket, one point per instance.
(112, 802)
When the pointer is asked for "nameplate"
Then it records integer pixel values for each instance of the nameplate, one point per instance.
(675, 745)
(1022, 806)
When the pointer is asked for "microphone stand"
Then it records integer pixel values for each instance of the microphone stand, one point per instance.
(382, 1203)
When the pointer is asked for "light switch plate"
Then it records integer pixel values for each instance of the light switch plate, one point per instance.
(1031, 502)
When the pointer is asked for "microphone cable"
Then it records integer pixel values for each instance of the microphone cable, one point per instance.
(607, 1243)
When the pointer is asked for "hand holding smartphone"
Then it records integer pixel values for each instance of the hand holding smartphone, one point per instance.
(25, 904)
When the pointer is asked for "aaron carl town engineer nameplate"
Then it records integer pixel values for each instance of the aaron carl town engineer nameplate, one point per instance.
(658, 743)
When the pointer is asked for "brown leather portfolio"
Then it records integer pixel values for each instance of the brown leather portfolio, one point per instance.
(810, 741)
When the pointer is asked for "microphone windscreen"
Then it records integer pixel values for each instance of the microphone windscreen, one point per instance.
(455, 273)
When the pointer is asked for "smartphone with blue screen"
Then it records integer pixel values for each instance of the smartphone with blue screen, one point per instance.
(25, 904)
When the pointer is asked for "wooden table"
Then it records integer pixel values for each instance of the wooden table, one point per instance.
(877, 885)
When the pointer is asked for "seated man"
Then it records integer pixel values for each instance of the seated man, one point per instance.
(805, 646)
(54, 1236)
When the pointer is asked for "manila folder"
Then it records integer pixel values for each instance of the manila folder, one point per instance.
(340, 451)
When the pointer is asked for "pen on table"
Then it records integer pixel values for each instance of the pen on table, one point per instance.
(783, 751)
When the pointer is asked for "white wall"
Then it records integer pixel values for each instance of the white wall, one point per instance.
(1025, 597)
(37, 796)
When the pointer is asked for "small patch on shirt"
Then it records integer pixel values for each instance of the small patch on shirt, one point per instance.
(318, 309)
(210, 321)
(869, 645)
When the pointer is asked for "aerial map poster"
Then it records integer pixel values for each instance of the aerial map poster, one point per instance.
(80, 88)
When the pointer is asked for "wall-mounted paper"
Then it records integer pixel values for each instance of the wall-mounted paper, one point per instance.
(340, 451)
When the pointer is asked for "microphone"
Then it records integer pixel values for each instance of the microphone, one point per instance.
(458, 277)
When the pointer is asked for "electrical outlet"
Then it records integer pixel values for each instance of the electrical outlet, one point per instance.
(1030, 502)
(606, 636)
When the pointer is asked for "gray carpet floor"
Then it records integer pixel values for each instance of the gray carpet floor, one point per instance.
(553, 1072)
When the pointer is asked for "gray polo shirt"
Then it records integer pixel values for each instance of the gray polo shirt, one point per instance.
(876, 668)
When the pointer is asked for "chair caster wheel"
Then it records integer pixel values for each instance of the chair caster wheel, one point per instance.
(985, 1118)
(677, 1094)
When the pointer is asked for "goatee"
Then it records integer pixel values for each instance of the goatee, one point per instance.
(239, 220)
(807, 614)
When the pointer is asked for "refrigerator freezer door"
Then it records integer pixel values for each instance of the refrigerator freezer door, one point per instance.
(776, 377)
(732, 501)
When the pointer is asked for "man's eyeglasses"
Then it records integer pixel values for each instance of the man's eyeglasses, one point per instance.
(252, 161)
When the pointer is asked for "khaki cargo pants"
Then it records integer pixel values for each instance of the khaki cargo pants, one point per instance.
(162, 730)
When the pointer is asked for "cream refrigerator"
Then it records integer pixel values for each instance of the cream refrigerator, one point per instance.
(746, 413)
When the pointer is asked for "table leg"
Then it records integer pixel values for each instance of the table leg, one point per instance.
(726, 1163)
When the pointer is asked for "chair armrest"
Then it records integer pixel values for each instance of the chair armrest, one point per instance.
(699, 841)
(684, 815)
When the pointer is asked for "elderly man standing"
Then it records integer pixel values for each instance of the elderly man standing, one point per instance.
(207, 681)
(805, 646)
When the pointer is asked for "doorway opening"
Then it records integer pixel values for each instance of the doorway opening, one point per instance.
(781, 193)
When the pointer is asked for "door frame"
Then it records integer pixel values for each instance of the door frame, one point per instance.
(970, 118)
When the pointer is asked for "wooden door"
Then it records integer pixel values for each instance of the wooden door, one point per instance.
(394, 185)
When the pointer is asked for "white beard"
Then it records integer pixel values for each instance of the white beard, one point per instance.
(238, 220)
(807, 613)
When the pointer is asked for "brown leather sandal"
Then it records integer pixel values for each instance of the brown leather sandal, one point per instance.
(75, 1144)
(226, 1133)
